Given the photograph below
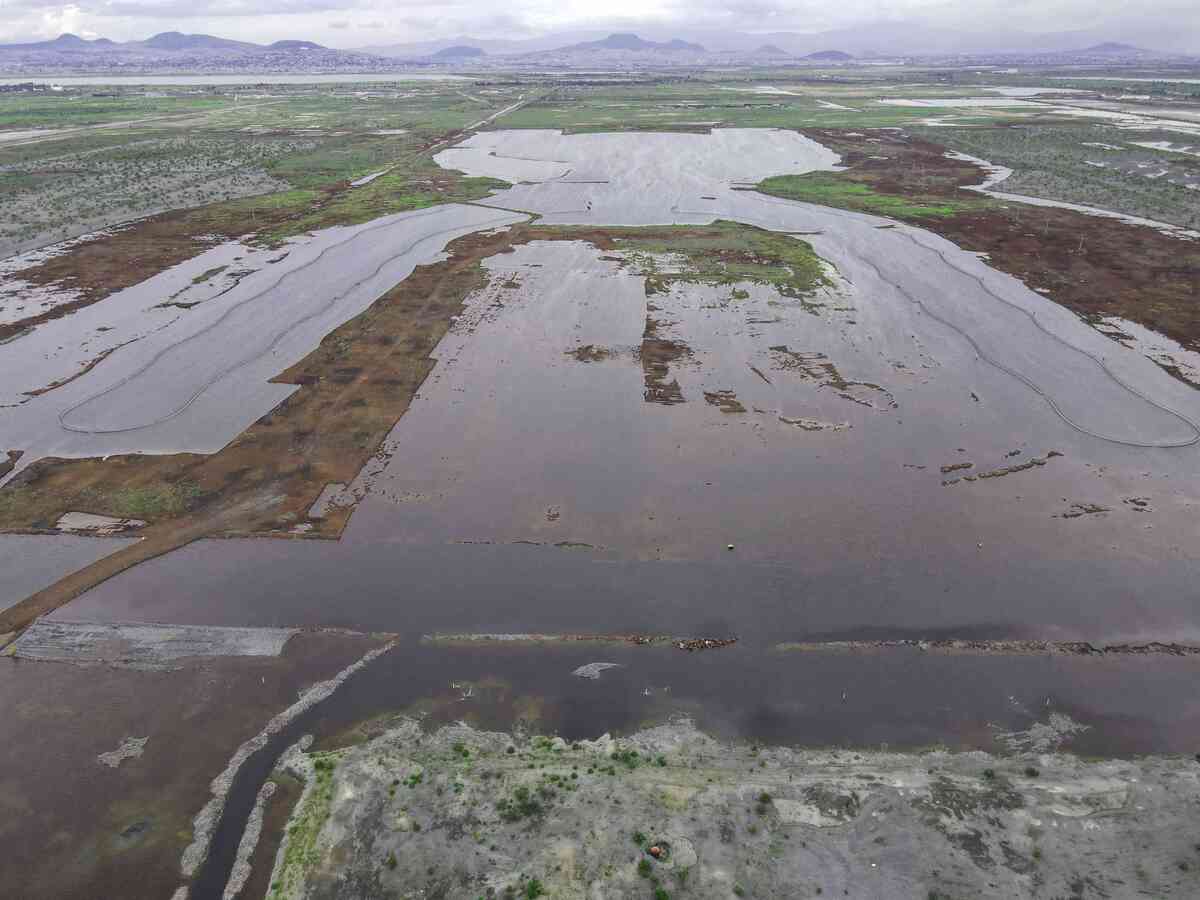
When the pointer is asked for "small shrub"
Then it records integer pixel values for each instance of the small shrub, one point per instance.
(534, 889)
(1032, 771)
(643, 867)
(391, 861)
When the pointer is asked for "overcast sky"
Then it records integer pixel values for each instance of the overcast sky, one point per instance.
(356, 23)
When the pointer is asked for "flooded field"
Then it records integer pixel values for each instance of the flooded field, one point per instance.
(763, 483)
(209, 346)
(29, 563)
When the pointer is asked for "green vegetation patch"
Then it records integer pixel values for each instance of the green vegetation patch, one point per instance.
(724, 253)
(33, 506)
(837, 190)
(301, 853)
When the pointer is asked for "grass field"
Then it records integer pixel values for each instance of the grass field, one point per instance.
(236, 155)
(830, 189)
(1096, 165)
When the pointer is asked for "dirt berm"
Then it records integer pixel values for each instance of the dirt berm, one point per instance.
(672, 813)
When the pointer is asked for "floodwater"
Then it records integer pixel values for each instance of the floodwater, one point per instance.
(826, 476)
(189, 378)
(791, 487)
(29, 563)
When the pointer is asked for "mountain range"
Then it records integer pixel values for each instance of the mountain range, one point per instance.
(174, 50)
(871, 40)
(167, 41)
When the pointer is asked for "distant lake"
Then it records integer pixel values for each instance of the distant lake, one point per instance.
(319, 78)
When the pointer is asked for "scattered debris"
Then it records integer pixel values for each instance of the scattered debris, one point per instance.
(1078, 510)
(1031, 463)
(815, 424)
(92, 524)
(592, 670)
(1001, 647)
(693, 644)
(131, 748)
(590, 353)
(637, 640)
(726, 400)
(816, 366)
(954, 467)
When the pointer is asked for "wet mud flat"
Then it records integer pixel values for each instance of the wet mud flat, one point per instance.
(671, 812)
(104, 768)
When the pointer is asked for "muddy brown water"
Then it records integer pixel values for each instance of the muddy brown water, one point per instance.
(527, 490)
(74, 829)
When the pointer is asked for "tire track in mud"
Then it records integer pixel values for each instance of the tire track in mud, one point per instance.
(324, 308)
(1024, 379)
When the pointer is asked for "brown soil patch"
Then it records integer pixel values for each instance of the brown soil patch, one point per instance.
(1095, 266)
(128, 256)
(816, 366)
(590, 353)
(657, 355)
(727, 401)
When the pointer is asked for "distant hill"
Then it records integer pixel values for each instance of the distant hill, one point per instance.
(631, 42)
(1113, 48)
(459, 51)
(174, 50)
(295, 45)
(771, 50)
(830, 56)
(175, 40)
(65, 43)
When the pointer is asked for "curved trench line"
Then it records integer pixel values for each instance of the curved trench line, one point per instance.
(1099, 361)
(274, 343)
(1028, 382)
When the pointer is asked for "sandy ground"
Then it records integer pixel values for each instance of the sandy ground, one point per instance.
(669, 812)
